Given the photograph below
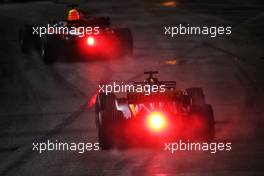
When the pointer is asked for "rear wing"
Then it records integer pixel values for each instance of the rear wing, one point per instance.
(170, 85)
(168, 95)
(99, 21)
(151, 80)
(140, 98)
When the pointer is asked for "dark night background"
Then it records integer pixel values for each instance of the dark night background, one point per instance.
(39, 102)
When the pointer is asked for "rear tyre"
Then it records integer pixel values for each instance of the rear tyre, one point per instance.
(210, 123)
(197, 96)
(206, 115)
(103, 101)
(126, 39)
(25, 38)
(104, 129)
(108, 128)
(48, 51)
(107, 117)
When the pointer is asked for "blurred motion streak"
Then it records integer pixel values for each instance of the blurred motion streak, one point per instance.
(169, 4)
(92, 99)
(171, 62)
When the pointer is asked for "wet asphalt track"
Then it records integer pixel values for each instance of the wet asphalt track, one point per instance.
(40, 102)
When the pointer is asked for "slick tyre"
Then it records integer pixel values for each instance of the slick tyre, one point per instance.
(108, 128)
(126, 39)
(103, 101)
(197, 96)
(105, 119)
(24, 38)
(104, 129)
(48, 51)
(206, 117)
(210, 122)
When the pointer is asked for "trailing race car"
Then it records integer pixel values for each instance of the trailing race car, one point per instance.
(87, 38)
(150, 119)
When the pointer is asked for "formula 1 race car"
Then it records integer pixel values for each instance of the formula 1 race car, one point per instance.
(80, 36)
(160, 116)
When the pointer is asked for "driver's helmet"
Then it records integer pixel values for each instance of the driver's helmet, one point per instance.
(152, 80)
(73, 15)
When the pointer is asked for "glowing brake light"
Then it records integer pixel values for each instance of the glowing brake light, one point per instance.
(90, 41)
(156, 121)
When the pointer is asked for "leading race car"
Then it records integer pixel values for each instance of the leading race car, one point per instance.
(160, 116)
(78, 35)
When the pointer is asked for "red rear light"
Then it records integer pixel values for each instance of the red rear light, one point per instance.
(90, 41)
(156, 121)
